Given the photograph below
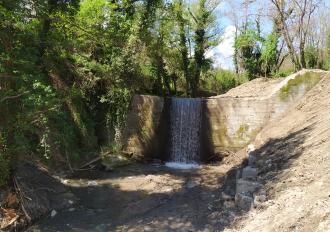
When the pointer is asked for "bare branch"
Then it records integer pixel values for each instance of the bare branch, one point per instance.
(14, 97)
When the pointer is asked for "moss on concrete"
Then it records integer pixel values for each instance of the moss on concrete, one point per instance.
(299, 85)
(242, 131)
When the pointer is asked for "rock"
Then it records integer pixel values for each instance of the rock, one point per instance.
(92, 183)
(226, 196)
(191, 184)
(229, 204)
(249, 173)
(243, 201)
(63, 181)
(250, 148)
(72, 209)
(53, 213)
(259, 192)
(111, 162)
(246, 186)
(223, 221)
(260, 198)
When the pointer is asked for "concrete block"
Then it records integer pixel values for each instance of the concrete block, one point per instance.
(249, 173)
(252, 160)
(246, 186)
(243, 201)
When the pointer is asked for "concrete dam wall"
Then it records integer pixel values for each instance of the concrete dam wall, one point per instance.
(228, 122)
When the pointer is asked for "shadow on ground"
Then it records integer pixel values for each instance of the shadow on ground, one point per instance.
(176, 200)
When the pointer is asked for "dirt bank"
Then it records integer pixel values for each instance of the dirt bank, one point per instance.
(294, 159)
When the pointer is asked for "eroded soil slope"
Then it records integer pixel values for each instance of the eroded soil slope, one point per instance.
(294, 158)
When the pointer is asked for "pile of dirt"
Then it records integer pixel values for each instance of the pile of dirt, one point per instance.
(293, 158)
(256, 88)
(264, 87)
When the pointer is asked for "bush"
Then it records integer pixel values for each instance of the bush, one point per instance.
(226, 80)
(220, 81)
(312, 56)
(282, 73)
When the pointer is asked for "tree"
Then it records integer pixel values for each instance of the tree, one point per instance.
(204, 38)
(182, 22)
(248, 45)
(294, 21)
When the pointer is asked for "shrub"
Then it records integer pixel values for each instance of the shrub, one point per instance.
(226, 80)
(220, 81)
(312, 56)
(282, 73)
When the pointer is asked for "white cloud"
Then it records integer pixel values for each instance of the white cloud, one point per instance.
(222, 54)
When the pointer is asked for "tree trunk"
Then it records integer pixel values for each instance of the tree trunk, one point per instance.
(184, 48)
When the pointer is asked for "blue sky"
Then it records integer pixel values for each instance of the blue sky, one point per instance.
(222, 54)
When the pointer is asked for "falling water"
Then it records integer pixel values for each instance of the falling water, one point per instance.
(185, 128)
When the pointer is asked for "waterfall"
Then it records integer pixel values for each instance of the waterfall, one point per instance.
(185, 130)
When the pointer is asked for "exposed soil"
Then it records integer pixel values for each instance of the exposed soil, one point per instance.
(293, 159)
(256, 88)
(262, 87)
(145, 198)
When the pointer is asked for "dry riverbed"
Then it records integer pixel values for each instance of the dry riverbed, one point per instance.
(145, 198)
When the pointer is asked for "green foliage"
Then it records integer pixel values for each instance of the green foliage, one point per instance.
(327, 55)
(257, 55)
(118, 100)
(68, 69)
(248, 45)
(269, 54)
(311, 56)
(282, 73)
(220, 81)
(204, 38)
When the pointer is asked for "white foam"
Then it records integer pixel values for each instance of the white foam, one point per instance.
(178, 165)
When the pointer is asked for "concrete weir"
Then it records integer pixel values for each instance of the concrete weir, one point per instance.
(228, 122)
